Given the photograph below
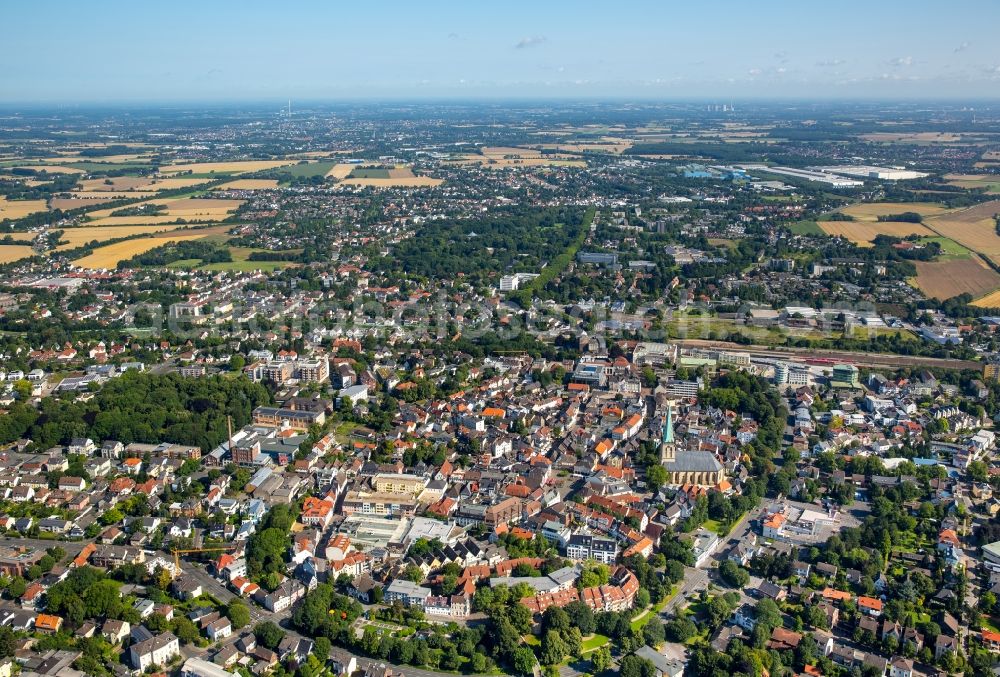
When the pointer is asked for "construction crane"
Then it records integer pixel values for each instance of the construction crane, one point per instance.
(179, 552)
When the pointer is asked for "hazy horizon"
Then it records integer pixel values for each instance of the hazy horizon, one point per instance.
(227, 52)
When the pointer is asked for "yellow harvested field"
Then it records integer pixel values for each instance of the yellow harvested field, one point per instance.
(117, 195)
(400, 176)
(18, 209)
(140, 183)
(124, 158)
(171, 183)
(864, 232)
(249, 184)
(189, 209)
(114, 183)
(66, 203)
(612, 146)
(20, 236)
(54, 169)
(341, 171)
(159, 219)
(870, 211)
(494, 151)
(238, 167)
(991, 300)
(74, 237)
(109, 256)
(15, 252)
(973, 228)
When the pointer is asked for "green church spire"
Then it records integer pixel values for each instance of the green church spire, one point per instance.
(668, 428)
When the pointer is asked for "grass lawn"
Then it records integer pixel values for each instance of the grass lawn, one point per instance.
(716, 526)
(989, 623)
(909, 542)
(806, 228)
(531, 639)
(593, 643)
(343, 431)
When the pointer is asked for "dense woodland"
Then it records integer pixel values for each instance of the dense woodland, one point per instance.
(518, 240)
(141, 407)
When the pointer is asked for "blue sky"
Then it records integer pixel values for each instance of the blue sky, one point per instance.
(70, 52)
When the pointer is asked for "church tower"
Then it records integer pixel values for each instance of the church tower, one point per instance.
(667, 447)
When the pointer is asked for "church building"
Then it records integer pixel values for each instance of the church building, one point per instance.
(701, 468)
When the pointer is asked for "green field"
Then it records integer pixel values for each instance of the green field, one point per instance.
(950, 250)
(241, 262)
(310, 169)
(369, 173)
(110, 166)
(806, 228)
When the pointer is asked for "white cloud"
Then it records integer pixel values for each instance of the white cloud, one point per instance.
(901, 61)
(532, 41)
(829, 63)
(962, 47)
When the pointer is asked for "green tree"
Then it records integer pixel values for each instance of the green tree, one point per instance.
(634, 666)
(556, 619)
(22, 389)
(524, 661)
(656, 477)
(768, 613)
(238, 614)
(103, 599)
(553, 648)
(17, 587)
(653, 633)
(600, 659)
(186, 630)
(734, 574)
(237, 362)
(268, 634)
